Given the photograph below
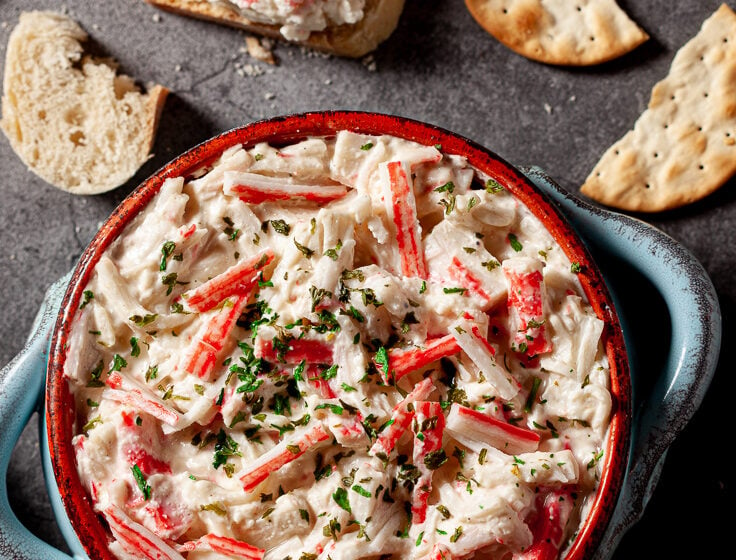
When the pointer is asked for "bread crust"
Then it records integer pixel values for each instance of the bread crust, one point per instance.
(582, 33)
(349, 40)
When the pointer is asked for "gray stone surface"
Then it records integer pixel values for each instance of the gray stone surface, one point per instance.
(439, 67)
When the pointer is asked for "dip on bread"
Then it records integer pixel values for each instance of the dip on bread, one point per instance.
(346, 347)
(299, 18)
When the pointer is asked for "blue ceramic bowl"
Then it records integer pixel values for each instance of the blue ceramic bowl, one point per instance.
(648, 275)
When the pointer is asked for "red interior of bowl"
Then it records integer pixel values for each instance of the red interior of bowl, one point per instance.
(60, 413)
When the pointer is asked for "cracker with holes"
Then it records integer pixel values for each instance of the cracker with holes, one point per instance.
(683, 147)
(566, 32)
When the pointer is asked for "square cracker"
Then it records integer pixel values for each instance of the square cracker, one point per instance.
(566, 32)
(683, 147)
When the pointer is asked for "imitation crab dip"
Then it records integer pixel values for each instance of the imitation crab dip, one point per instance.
(299, 18)
(345, 347)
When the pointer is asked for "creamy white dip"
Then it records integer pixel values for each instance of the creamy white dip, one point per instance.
(397, 361)
(299, 18)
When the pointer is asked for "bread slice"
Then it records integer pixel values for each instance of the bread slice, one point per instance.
(71, 119)
(350, 40)
(580, 33)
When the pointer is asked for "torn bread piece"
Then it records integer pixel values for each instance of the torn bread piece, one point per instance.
(683, 147)
(580, 33)
(361, 26)
(71, 119)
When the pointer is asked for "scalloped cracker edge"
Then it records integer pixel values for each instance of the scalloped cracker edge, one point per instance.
(350, 40)
(71, 119)
(564, 32)
(683, 147)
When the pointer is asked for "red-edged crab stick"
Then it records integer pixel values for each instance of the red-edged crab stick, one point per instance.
(124, 391)
(526, 305)
(135, 539)
(429, 425)
(238, 279)
(550, 527)
(402, 210)
(468, 425)
(311, 351)
(403, 362)
(201, 357)
(465, 277)
(254, 189)
(223, 545)
(284, 452)
(400, 419)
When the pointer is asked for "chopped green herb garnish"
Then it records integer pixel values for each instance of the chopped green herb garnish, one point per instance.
(166, 250)
(330, 372)
(458, 533)
(94, 375)
(341, 499)
(447, 187)
(91, 424)
(515, 245)
(280, 226)
(360, 490)
(493, 186)
(224, 447)
(532, 394)
(382, 360)
(335, 408)
(143, 321)
(575, 267)
(152, 373)
(435, 459)
(135, 350)
(333, 253)
(367, 146)
(454, 290)
(216, 507)
(87, 296)
(141, 481)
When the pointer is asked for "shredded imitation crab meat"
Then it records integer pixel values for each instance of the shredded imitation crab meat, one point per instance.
(354, 347)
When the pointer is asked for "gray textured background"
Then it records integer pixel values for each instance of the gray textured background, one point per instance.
(439, 67)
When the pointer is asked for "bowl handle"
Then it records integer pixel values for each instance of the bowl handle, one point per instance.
(21, 389)
(663, 411)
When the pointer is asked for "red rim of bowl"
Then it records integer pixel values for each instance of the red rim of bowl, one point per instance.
(60, 413)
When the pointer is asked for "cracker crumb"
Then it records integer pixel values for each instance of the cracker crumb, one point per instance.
(251, 70)
(177, 68)
(96, 27)
(572, 98)
(258, 50)
(369, 62)
(156, 18)
(268, 95)
(328, 82)
(548, 108)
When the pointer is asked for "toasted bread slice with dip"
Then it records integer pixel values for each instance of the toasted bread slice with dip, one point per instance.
(356, 32)
(580, 33)
(683, 147)
(71, 119)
